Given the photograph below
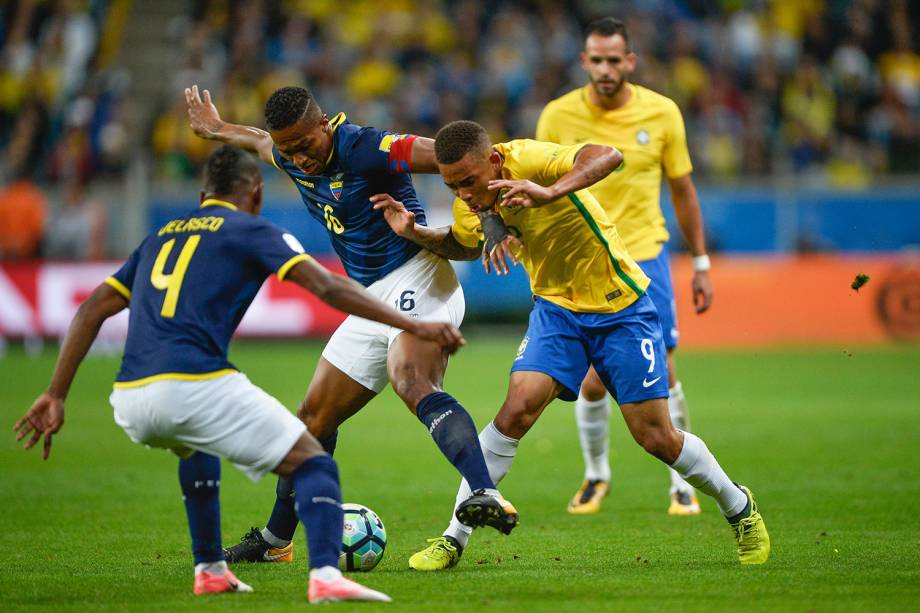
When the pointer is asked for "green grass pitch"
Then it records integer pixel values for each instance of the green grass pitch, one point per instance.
(827, 439)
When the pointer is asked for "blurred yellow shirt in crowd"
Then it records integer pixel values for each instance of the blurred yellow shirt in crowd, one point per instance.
(649, 131)
(572, 252)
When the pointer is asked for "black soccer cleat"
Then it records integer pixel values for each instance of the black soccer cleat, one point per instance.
(253, 548)
(483, 509)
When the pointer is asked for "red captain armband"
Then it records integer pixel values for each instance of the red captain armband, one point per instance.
(400, 148)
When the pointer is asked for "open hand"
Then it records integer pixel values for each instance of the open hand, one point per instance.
(446, 335)
(44, 418)
(400, 219)
(522, 193)
(203, 116)
(494, 256)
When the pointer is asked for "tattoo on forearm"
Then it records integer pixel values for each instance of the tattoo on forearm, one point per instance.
(443, 243)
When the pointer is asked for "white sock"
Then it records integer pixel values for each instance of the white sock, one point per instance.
(273, 540)
(215, 568)
(677, 407)
(593, 419)
(699, 468)
(499, 451)
(325, 573)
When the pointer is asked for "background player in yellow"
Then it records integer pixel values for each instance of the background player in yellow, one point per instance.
(590, 309)
(648, 128)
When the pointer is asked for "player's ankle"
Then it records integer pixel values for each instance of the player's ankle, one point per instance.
(325, 573)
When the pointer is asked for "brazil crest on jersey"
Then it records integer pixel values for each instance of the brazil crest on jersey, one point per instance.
(363, 162)
(188, 286)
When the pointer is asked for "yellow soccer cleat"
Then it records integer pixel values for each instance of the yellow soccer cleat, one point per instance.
(442, 553)
(683, 504)
(751, 535)
(587, 499)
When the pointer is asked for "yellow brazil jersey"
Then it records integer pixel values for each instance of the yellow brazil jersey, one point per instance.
(649, 130)
(572, 252)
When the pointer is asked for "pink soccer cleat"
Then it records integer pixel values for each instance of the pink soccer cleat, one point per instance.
(341, 589)
(212, 583)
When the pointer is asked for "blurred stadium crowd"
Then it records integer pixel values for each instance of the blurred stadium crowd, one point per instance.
(820, 87)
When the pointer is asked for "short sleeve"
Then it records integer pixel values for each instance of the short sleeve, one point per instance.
(557, 160)
(373, 150)
(675, 158)
(123, 279)
(466, 229)
(276, 250)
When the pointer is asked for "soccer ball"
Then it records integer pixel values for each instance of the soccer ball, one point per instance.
(364, 539)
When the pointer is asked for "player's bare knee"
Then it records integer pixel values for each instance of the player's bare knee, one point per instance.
(411, 385)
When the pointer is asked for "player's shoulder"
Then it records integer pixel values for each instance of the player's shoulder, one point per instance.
(519, 149)
(655, 101)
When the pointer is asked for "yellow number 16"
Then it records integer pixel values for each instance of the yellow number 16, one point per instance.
(172, 282)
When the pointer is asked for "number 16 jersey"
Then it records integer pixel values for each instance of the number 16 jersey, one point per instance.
(189, 284)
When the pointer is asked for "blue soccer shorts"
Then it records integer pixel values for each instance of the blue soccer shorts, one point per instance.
(661, 291)
(625, 348)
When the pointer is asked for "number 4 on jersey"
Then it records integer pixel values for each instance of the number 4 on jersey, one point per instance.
(172, 282)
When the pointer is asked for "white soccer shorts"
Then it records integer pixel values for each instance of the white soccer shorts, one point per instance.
(425, 287)
(226, 416)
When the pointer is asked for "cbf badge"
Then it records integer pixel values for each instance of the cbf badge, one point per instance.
(522, 348)
(642, 137)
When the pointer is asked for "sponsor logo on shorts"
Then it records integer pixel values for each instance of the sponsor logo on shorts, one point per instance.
(647, 383)
(614, 294)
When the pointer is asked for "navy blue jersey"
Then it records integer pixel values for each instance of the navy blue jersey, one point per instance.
(188, 286)
(363, 162)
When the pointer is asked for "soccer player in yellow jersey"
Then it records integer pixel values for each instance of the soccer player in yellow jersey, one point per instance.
(648, 128)
(590, 309)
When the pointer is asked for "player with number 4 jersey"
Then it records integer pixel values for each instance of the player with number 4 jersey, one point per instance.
(188, 286)
(590, 309)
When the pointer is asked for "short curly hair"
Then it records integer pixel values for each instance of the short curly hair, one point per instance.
(229, 168)
(458, 138)
(289, 104)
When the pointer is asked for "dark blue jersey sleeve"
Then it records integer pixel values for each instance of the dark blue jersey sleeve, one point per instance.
(274, 249)
(123, 279)
(373, 150)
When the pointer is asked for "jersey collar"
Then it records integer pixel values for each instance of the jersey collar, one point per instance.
(586, 98)
(216, 202)
(335, 122)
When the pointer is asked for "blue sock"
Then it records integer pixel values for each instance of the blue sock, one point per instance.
(329, 442)
(199, 476)
(283, 520)
(453, 430)
(319, 506)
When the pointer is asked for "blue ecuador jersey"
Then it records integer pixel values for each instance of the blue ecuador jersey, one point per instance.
(363, 162)
(188, 286)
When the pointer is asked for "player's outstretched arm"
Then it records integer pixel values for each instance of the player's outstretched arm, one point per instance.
(345, 295)
(592, 163)
(437, 240)
(423, 160)
(46, 416)
(206, 123)
(690, 219)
